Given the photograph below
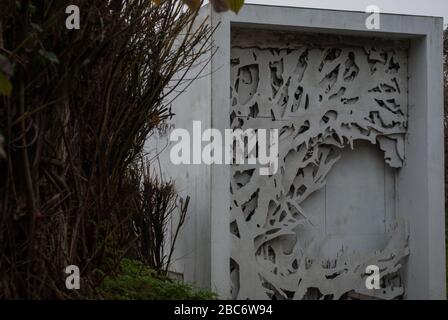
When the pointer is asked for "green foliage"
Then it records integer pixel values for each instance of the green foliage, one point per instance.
(138, 282)
(236, 5)
(225, 5)
(5, 85)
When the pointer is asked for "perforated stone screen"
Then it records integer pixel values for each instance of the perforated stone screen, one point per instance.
(323, 99)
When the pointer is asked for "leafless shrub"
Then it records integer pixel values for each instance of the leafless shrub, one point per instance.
(158, 220)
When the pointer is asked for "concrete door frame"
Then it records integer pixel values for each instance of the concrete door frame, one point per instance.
(421, 181)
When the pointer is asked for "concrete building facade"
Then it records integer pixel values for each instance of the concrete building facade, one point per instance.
(360, 178)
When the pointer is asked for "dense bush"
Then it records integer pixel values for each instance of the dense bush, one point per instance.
(76, 107)
(135, 281)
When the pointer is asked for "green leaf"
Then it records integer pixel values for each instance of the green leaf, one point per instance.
(50, 56)
(225, 5)
(5, 85)
(235, 5)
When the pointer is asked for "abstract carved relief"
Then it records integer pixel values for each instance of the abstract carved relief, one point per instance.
(322, 100)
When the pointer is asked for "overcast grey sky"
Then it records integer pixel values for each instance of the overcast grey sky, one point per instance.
(437, 8)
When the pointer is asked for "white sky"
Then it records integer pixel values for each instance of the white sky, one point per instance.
(437, 8)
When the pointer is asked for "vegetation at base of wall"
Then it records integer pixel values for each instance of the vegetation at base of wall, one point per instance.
(136, 281)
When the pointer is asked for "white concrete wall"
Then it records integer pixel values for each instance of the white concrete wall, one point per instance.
(204, 248)
(192, 253)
